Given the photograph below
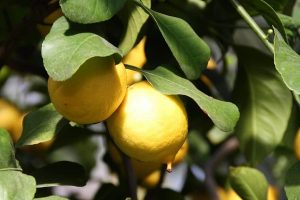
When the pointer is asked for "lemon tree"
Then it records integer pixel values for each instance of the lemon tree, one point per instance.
(147, 99)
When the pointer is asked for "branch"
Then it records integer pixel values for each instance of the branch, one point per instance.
(131, 177)
(263, 37)
(223, 151)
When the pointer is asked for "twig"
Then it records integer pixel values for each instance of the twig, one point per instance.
(241, 10)
(224, 150)
(131, 177)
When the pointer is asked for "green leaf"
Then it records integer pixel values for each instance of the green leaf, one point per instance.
(223, 114)
(41, 125)
(268, 13)
(7, 155)
(90, 11)
(51, 198)
(190, 51)
(133, 18)
(109, 191)
(164, 193)
(287, 62)
(292, 182)
(60, 173)
(249, 183)
(277, 5)
(68, 46)
(259, 93)
(296, 11)
(15, 185)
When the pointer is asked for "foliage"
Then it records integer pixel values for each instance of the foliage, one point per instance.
(234, 64)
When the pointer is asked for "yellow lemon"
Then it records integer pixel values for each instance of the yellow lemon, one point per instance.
(9, 117)
(181, 153)
(297, 144)
(92, 94)
(151, 180)
(148, 125)
(135, 57)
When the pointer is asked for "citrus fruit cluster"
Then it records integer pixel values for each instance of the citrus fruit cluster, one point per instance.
(145, 124)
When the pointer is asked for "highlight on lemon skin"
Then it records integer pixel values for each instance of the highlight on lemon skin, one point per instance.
(135, 57)
(148, 125)
(92, 94)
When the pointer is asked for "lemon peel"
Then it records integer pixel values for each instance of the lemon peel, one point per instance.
(148, 125)
(92, 94)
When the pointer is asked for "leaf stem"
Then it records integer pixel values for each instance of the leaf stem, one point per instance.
(245, 15)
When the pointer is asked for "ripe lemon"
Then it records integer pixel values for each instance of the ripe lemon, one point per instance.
(141, 169)
(151, 180)
(181, 153)
(9, 117)
(297, 144)
(148, 125)
(135, 57)
(92, 94)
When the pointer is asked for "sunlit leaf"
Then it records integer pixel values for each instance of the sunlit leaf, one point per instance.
(41, 125)
(7, 155)
(68, 46)
(248, 183)
(223, 114)
(90, 11)
(287, 62)
(265, 104)
(15, 185)
(133, 17)
(190, 51)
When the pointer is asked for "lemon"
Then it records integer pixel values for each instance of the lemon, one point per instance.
(135, 57)
(181, 153)
(151, 180)
(297, 144)
(92, 94)
(148, 125)
(9, 117)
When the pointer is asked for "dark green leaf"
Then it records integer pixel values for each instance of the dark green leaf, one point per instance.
(40, 126)
(248, 183)
(223, 114)
(51, 198)
(90, 11)
(60, 173)
(277, 5)
(15, 185)
(109, 191)
(287, 62)
(292, 182)
(190, 51)
(133, 18)
(7, 155)
(260, 92)
(67, 47)
(164, 193)
(268, 13)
